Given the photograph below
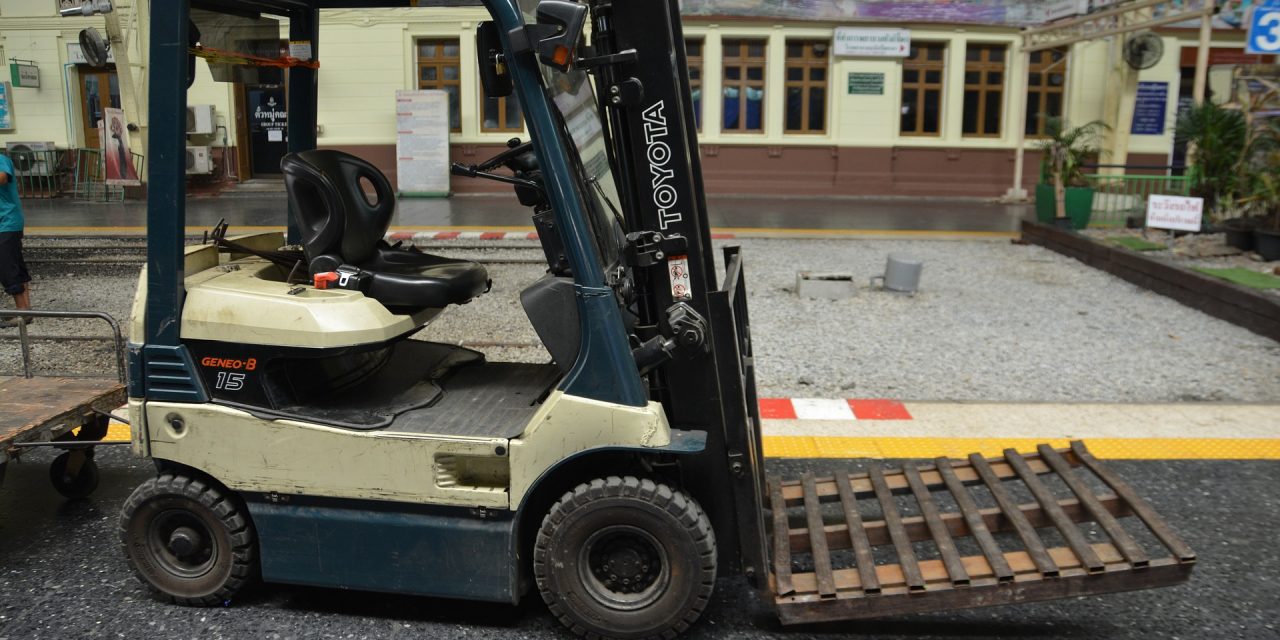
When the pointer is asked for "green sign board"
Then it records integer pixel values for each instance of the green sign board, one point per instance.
(866, 84)
(25, 75)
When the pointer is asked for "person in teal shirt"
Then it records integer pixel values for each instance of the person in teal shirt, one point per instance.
(13, 270)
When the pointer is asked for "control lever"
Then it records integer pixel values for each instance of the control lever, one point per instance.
(472, 171)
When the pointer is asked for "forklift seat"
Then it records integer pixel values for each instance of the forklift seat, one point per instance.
(342, 227)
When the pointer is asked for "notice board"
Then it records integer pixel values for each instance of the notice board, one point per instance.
(1150, 108)
(422, 143)
(866, 84)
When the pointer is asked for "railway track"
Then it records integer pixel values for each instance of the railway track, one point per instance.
(43, 253)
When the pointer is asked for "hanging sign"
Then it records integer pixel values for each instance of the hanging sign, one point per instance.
(875, 43)
(422, 142)
(1174, 212)
(6, 107)
(866, 84)
(25, 75)
(1149, 110)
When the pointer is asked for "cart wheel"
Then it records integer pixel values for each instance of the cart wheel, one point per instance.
(78, 483)
(625, 558)
(187, 541)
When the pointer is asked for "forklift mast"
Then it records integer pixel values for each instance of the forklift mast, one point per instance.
(647, 101)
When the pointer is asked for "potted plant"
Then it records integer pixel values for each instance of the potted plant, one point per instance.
(1064, 196)
(1261, 182)
(1219, 139)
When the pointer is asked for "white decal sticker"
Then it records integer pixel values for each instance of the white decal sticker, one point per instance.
(678, 267)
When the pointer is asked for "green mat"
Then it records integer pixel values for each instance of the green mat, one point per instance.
(1138, 244)
(1244, 277)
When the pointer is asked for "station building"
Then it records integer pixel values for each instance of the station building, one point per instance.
(780, 112)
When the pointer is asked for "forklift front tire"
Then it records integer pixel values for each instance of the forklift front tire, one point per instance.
(625, 558)
(187, 541)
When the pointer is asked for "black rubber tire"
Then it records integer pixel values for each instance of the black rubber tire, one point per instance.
(82, 484)
(226, 536)
(653, 513)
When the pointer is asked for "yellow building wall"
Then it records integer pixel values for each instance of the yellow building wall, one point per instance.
(367, 55)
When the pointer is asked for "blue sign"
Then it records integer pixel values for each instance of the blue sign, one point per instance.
(1264, 29)
(6, 107)
(1150, 109)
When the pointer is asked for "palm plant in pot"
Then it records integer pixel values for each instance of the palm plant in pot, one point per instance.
(1219, 138)
(1261, 179)
(1064, 196)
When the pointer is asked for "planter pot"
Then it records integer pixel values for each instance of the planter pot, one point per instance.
(1239, 233)
(1267, 244)
(1078, 203)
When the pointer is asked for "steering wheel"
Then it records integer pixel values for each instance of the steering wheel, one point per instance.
(515, 149)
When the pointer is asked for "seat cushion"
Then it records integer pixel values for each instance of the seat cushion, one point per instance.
(428, 286)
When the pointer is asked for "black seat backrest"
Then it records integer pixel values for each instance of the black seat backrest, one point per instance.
(329, 204)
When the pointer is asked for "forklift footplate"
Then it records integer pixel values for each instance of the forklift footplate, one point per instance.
(955, 535)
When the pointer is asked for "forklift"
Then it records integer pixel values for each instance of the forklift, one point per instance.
(306, 430)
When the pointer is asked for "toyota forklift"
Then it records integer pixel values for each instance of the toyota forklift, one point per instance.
(307, 430)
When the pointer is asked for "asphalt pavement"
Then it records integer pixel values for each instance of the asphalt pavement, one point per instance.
(62, 575)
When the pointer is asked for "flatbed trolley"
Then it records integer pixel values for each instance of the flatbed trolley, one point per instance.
(66, 412)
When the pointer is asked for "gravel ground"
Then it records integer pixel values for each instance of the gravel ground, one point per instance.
(993, 321)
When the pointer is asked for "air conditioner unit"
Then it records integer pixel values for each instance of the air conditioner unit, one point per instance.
(32, 158)
(200, 119)
(199, 160)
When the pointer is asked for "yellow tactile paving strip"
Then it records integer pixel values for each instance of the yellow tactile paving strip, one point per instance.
(1111, 448)
(1203, 431)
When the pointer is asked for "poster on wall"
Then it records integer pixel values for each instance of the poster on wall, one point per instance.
(116, 153)
(422, 143)
(6, 107)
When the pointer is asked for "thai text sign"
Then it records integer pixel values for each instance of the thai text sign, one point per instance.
(1174, 212)
(1150, 108)
(422, 142)
(25, 75)
(866, 84)
(880, 43)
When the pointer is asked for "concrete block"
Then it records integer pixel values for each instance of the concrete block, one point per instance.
(833, 286)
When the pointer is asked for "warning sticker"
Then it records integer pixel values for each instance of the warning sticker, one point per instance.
(678, 267)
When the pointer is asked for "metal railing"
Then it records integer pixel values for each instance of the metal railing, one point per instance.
(1117, 197)
(24, 340)
(90, 183)
(40, 174)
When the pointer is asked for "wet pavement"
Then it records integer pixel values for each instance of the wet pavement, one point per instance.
(62, 575)
(894, 214)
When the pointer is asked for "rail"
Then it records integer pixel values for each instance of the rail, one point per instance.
(25, 341)
(1116, 197)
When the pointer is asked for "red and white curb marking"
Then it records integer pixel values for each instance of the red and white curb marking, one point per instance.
(825, 409)
(423, 236)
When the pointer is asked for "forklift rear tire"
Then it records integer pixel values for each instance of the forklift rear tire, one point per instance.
(187, 541)
(625, 558)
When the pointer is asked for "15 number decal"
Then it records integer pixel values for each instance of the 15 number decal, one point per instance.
(229, 381)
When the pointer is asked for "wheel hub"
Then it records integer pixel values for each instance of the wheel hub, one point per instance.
(625, 567)
(185, 541)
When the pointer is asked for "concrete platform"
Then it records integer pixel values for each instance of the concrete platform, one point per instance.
(746, 215)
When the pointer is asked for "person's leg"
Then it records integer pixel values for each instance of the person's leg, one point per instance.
(13, 272)
(23, 300)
